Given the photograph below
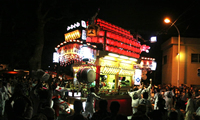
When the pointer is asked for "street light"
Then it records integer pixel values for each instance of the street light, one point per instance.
(167, 20)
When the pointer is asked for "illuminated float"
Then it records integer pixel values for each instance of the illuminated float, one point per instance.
(103, 55)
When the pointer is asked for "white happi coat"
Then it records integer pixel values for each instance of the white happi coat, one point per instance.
(189, 109)
(156, 101)
(168, 101)
(148, 90)
(89, 108)
(135, 102)
(3, 97)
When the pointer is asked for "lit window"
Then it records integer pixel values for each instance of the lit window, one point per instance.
(195, 58)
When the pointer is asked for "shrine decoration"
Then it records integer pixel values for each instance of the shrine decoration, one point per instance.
(115, 39)
(74, 52)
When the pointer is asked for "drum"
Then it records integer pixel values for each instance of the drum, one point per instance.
(86, 75)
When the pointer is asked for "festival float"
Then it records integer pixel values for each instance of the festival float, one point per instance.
(105, 56)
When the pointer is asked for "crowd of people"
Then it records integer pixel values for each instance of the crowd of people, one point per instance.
(32, 99)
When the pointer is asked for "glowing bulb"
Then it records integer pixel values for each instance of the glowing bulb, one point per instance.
(167, 20)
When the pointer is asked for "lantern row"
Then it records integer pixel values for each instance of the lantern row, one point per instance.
(121, 51)
(114, 44)
(111, 27)
(119, 38)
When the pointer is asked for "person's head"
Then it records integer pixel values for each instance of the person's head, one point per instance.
(135, 89)
(189, 95)
(19, 106)
(103, 104)
(178, 105)
(18, 89)
(92, 89)
(158, 90)
(78, 106)
(114, 107)
(141, 108)
(161, 103)
(49, 113)
(170, 89)
(173, 115)
(145, 95)
(187, 90)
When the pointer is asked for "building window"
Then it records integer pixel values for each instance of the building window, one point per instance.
(195, 58)
(165, 59)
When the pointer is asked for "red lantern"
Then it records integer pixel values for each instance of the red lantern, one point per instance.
(101, 40)
(112, 42)
(115, 49)
(112, 35)
(101, 33)
(94, 39)
(107, 41)
(118, 44)
(108, 34)
(107, 48)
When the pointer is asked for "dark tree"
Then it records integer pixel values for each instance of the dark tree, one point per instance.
(30, 29)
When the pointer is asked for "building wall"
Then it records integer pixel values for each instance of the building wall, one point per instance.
(192, 78)
(187, 70)
(167, 68)
(174, 65)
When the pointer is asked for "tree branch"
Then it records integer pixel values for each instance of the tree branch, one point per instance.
(52, 18)
(51, 6)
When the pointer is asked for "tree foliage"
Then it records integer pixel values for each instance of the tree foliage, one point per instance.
(30, 29)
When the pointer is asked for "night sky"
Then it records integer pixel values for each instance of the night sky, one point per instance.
(144, 17)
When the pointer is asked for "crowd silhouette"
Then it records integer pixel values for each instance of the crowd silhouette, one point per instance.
(34, 99)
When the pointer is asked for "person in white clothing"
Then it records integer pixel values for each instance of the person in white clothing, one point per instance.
(148, 90)
(146, 102)
(156, 98)
(168, 98)
(89, 108)
(135, 98)
(4, 95)
(189, 107)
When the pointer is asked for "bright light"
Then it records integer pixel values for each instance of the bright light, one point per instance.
(133, 59)
(84, 104)
(138, 75)
(153, 66)
(123, 61)
(109, 58)
(83, 23)
(72, 35)
(123, 57)
(153, 39)
(167, 20)
(71, 106)
(112, 54)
